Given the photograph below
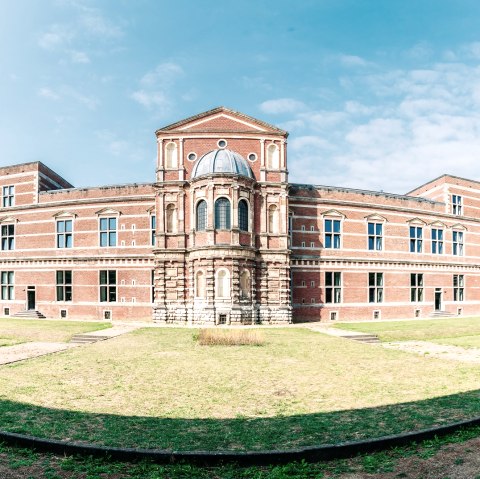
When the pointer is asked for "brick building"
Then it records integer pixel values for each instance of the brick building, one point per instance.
(221, 236)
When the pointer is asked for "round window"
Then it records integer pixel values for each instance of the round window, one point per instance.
(192, 156)
(222, 143)
(252, 156)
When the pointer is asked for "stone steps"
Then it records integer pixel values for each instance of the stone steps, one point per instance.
(363, 338)
(441, 314)
(87, 338)
(29, 314)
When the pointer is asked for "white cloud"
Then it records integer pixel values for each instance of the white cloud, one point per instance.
(163, 75)
(48, 93)
(151, 99)
(56, 37)
(79, 57)
(281, 105)
(353, 61)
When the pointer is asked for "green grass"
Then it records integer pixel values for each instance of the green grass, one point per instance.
(158, 388)
(15, 331)
(423, 330)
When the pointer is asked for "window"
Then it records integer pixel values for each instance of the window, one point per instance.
(272, 219)
(375, 236)
(108, 286)
(333, 287)
(456, 205)
(223, 284)
(7, 279)
(202, 215)
(273, 162)
(170, 218)
(457, 248)
(171, 155)
(108, 231)
(8, 237)
(200, 285)
(416, 239)
(312, 244)
(64, 285)
(312, 284)
(375, 287)
(303, 244)
(437, 241)
(153, 228)
(243, 215)
(8, 196)
(303, 227)
(222, 214)
(416, 287)
(332, 234)
(312, 228)
(458, 287)
(64, 234)
(245, 284)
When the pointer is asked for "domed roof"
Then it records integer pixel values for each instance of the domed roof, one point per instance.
(222, 161)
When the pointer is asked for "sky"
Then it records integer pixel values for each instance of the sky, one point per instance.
(375, 94)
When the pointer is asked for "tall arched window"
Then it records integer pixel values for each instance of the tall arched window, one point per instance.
(222, 214)
(243, 215)
(273, 157)
(171, 155)
(223, 284)
(272, 219)
(200, 285)
(201, 216)
(245, 284)
(171, 218)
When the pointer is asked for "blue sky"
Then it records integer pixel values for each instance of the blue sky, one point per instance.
(376, 94)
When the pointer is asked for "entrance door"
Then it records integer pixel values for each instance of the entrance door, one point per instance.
(31, 297)
(438, 299)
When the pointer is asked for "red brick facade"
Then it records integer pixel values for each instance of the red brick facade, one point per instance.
(222, 237)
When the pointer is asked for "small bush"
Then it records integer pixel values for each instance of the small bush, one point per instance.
(229, 337)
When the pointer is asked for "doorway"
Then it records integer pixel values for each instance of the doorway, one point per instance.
(438, 299)
(31, 302)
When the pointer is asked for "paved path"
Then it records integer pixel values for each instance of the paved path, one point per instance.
(20, 352)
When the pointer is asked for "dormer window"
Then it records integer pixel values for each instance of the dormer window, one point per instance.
(457, 205)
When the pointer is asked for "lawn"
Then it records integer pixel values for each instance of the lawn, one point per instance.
(423, 330)
(158, 388)
(15, 331)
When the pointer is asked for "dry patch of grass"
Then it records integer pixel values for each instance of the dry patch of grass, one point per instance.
(229, 337)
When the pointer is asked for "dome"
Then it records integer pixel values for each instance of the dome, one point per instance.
(222, 161)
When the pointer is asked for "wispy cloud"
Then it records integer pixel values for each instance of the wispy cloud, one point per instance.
(281, 105)
(156, 86)
(68, 92)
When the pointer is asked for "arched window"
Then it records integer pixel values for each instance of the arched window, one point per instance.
(222, 214)
(272, 219)
(202, 215)
(171, 218)
(243, 215)
(171, 155)
(200, 285)
(223, 284)
(272, 157)
(245, 284)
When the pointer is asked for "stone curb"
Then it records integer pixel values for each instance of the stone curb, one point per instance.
(254, 458)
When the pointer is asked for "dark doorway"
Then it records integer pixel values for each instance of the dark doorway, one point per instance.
(31, 297)
(438, 299)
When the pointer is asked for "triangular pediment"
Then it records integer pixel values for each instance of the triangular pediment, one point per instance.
(416, 221)
(8, 219)
(221, 120)
(108, 211)
(458, 226)
(333, 213)
(376, 217)
(64, 214)
(438, 224)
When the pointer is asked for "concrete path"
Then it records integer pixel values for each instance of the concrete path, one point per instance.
(20, 352)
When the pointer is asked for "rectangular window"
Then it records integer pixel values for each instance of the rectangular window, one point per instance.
(108, 286)
(333, 287)
(332, 234)
(153, 227)
(108, 231)
(8, 196)
(64, 285)
(8, 237)
(457, 248)
(375, 287)
(437, 241)
(458, 287)
(7, 280)
(416, 234)
(64, 234)
(456, 204)
(416, 287)
(375, 236)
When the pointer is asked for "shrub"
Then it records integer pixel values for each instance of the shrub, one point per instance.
(229, 337)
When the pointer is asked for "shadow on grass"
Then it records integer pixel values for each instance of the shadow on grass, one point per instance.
(239, 434)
